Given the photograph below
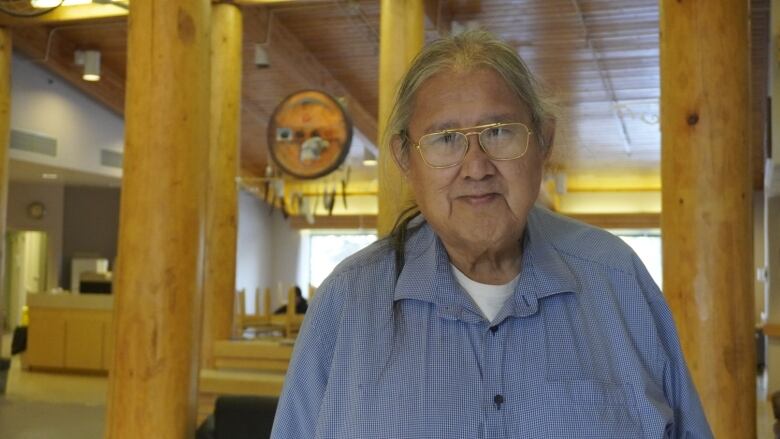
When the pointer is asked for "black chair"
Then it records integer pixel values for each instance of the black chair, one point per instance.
(760, 350)
(240, 417)
(5, 365)
(19, 340)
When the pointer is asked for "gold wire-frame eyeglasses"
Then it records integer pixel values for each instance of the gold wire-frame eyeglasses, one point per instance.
(463, 134)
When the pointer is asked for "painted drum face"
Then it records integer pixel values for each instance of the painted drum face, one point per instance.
(309, 134)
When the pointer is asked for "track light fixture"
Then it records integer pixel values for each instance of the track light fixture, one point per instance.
(90, 59)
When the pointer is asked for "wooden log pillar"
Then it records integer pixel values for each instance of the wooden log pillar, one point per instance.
(219, 283)
(772, 261)
(707, 203)
(401, 36)
(772, 215)
(5, 139)
(157, 308)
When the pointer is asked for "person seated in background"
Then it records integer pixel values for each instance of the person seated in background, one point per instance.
(301, 305)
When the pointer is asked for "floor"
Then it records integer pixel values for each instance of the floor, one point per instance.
(51, 406)
(54, 406)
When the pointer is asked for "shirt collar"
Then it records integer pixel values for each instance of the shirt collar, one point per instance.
(543, 273)
(418, 276)
(427, 276)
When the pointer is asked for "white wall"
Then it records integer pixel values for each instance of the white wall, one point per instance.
(253, 265)
(42, 103)
(267, 251)
(288, 261)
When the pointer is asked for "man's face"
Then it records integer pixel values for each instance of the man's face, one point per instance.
(480, 203)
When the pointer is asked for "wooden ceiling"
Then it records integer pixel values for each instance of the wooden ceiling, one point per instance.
(598, 58)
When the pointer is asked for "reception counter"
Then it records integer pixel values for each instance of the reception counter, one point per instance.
(69, 332)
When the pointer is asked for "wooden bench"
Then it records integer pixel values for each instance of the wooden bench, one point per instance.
(244, 367)
(251, 367)
(254, 355)
(214, 383)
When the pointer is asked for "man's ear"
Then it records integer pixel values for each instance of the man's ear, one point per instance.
(548, 136)
(400, 156)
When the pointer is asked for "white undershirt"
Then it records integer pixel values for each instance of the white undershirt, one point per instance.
(489, 298)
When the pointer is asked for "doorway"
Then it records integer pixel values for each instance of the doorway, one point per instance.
(25, 270)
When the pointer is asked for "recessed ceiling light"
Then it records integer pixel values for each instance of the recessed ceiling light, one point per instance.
(49, 176)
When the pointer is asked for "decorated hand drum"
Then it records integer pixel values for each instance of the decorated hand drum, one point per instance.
(309, 134)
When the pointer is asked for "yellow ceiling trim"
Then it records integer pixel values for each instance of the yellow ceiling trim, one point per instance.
(66, 14)
(613, 182)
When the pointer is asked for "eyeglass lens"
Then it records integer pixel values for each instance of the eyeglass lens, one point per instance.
(504, 142)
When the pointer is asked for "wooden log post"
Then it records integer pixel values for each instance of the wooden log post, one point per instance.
(158, 303)
(401, 38)
(707, 203)
(219, 281)
(5, 138)
(771, 214)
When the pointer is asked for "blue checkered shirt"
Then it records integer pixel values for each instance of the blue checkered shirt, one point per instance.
(585, 348)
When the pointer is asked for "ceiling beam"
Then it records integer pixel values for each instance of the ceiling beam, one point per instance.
(32, 42)
(66, 15)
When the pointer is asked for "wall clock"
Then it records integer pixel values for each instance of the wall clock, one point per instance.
(36, 210)
(309, 134)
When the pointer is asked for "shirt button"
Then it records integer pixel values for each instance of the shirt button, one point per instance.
(498, 399)
(493, 329)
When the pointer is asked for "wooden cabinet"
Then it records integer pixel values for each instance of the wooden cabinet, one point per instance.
(84, 342)
(47, 336)
(72, 333)
(108, 345)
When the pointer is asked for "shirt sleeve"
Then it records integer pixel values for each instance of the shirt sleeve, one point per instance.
(680, 393)
(307, 374)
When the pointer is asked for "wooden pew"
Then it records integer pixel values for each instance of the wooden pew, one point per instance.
(214, 383)
(253, 355)
(244, 367)
(251, 367)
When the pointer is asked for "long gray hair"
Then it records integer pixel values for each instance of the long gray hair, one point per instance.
(469, 50)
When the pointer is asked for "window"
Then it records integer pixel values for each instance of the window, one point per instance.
(328, 248)
(647, 245)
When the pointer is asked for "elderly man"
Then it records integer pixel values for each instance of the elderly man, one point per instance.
(483, 316)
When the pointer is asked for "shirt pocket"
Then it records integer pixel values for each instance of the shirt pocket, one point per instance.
(590, 409)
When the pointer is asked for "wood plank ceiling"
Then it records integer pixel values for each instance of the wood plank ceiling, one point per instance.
(598, 58)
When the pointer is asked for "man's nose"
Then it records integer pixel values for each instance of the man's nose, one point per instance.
(476, 164)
